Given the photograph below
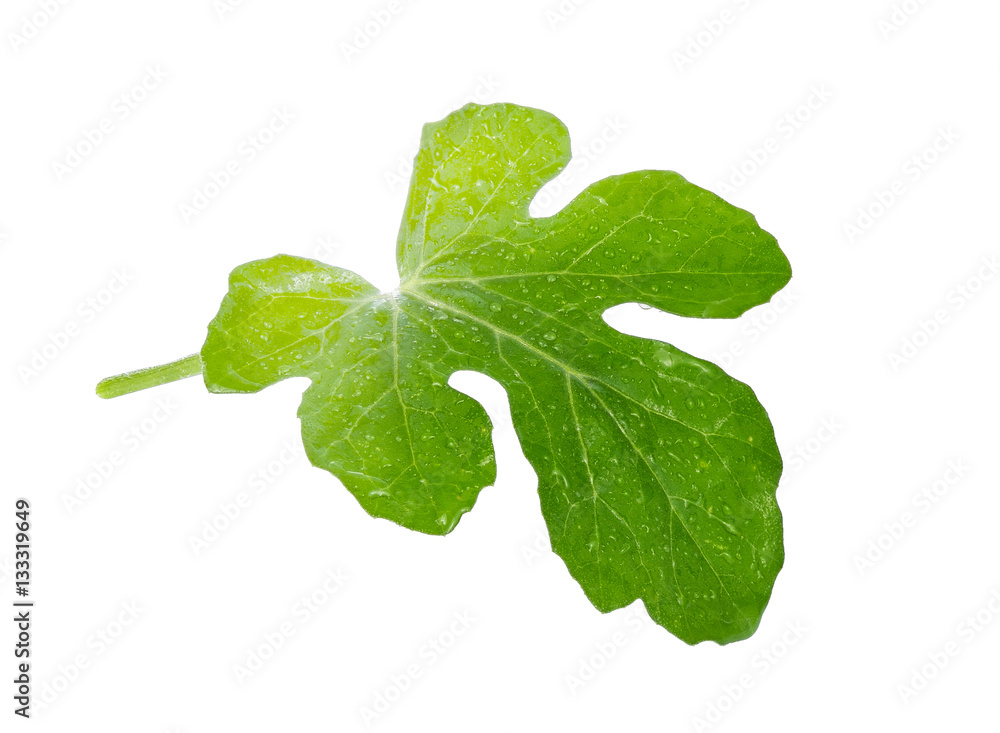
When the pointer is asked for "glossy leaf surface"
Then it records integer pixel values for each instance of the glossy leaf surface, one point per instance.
(656, 470)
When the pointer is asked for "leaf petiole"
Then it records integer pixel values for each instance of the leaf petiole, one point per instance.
(129, 382)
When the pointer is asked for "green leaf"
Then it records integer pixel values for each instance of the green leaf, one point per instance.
(656, 470)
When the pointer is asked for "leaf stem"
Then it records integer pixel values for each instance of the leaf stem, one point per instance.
(129, 382)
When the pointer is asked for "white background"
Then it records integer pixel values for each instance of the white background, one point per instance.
(864, 434)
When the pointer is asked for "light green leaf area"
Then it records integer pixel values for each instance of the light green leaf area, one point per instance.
(656, 471)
